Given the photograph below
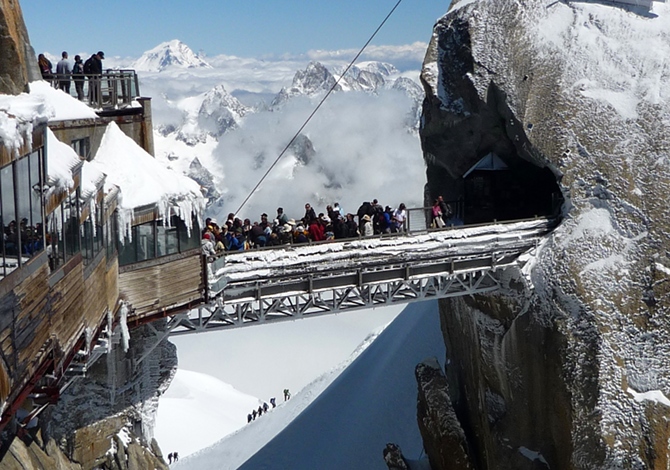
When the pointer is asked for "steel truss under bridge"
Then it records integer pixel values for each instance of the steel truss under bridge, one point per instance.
(266, 286)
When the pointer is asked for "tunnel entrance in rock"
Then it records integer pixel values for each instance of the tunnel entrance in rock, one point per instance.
(487, 167)
(495, 189)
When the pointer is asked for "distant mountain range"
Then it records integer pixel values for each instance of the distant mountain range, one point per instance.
(191, 119)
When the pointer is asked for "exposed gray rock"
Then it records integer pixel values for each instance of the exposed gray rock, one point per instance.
(568, 368)
(220, 112)
(394, 458)
(204, 178)
(443, 437)
(18, 63)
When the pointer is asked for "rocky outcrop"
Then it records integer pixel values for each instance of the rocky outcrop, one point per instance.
(443, 437)
(394, 458)
(568, 366)
(18, 64)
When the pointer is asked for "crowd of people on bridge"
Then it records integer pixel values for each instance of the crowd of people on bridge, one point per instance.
(334, 224)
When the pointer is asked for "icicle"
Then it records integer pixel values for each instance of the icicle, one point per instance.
(123, 323)
(88, 334)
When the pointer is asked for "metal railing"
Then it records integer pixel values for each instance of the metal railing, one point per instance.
(113, 89)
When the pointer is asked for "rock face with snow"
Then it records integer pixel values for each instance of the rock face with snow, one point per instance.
(569, 367)
(369, 77)
(169, 54)
(316, 78)
(442, 434)
(18, 64)
(220, 112)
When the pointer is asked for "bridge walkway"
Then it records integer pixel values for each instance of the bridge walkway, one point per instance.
(295, 281)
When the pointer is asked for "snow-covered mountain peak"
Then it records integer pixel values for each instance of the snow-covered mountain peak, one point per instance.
(381, 68)
(316, 78)
(220, 111)
(169, 54)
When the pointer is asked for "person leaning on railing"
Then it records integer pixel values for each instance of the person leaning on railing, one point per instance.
(78, 76)
(93, 69)
(46, 69)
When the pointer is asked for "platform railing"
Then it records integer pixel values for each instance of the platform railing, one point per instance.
(113, 89)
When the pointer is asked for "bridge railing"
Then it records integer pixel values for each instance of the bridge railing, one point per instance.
(213, 266)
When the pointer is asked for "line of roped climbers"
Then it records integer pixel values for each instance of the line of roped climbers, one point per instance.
(373, 219)
(66, 72)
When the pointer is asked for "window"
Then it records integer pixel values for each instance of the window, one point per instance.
(63, 234)
(111, 235)
(21, 218)
(153, 240)
(10, 236)
(167, 240)
(91, 235)
(185, 242)
(82, 147)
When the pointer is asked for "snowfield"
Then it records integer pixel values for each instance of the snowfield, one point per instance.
(342, 419)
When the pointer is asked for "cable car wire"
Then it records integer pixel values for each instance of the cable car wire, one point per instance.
(337, 82)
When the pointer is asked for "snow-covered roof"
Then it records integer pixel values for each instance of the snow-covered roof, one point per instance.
(143, 180)
(91, 179)
(18, 116)
(61, 160)
(64, 106)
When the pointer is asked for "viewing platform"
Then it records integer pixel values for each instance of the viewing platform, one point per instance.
(113, 90)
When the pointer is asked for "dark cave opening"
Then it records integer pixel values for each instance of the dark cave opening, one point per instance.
(487, 168)
(518, 191)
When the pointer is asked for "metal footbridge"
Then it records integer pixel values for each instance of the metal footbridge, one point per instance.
(295, 281)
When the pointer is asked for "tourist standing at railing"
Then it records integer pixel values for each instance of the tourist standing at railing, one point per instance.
(445, 209)
(93, 69)
(282, 218)
(63, 72)
(316, 230)
(309, 214)
(399, 218)
(46, 69)
(352, 226)
(367, 230)
(438, 221)
(78, 76)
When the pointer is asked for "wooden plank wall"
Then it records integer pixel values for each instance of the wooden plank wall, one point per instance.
(36, 319)
(165, 283)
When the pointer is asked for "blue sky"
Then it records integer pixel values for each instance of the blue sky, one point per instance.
(249, 28)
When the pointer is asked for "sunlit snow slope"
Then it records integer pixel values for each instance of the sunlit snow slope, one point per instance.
(372, 402)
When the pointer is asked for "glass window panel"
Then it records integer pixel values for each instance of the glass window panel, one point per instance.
(72, 246)
(36, 201)
(128, 251)
(145, 242)
(54, 240)
(23, 212)
(168, 242)
(111, 235)
(98, 236)
(87, 241)
(185, 242)
(11, 233)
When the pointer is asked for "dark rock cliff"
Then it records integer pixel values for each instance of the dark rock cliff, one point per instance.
(568, 366)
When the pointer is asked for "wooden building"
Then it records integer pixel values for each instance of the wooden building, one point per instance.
(61, 285)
